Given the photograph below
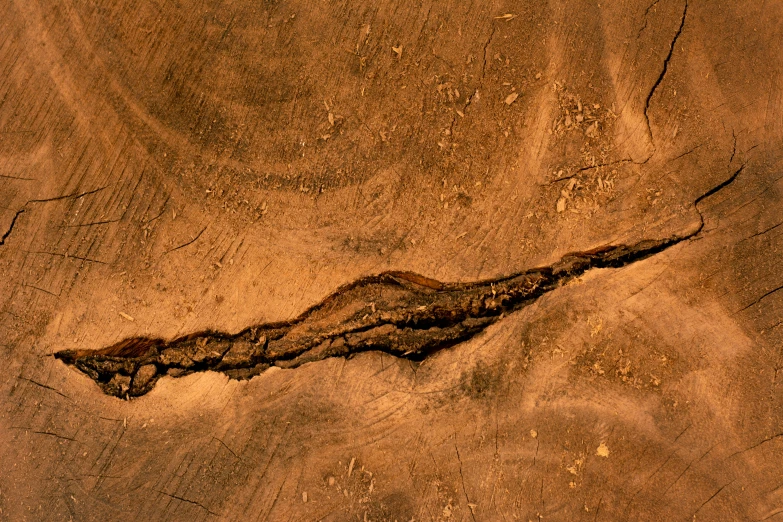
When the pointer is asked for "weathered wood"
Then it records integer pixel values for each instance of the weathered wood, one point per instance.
(167, 169)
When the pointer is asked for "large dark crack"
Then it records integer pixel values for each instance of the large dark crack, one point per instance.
(403, 314)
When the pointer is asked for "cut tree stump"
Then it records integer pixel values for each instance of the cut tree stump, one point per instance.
(391, 261)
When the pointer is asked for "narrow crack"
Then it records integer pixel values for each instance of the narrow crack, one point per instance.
(693, 517)
(187, 243)
(44, 432)
(733, 147)
(92, 223)
(719, 187)
(486, 49)
(689, 151)
(476, 92)
(193, 502)
(56, 198)
(66, 256)
(162, 210)
(756, 445)
(766, 230)
(757, 301)
(598, 166)
(646, 13)
(462, 480)
(52, 434)
(402, 314)
(44, 386)
(11, 226)
(664, 69)
(6, 176)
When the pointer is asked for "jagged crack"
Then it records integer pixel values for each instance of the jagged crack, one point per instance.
(402, 314)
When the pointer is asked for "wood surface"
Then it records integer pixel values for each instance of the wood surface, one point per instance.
(169, 168)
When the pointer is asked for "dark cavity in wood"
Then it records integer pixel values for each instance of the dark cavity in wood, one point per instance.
(400, 313)
(403, 314)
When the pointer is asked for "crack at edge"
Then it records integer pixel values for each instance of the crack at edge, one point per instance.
(46, 200)
(663, 71)
(625, 255)
(11, 226)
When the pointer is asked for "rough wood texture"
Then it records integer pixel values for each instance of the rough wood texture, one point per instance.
(171, 168)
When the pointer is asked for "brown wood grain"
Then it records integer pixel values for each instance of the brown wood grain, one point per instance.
(170, 167)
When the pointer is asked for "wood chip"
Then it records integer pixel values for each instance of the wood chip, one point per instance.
(350, 466)
(603, 450)
(126, 316)
(511, 98)
(507, 17)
